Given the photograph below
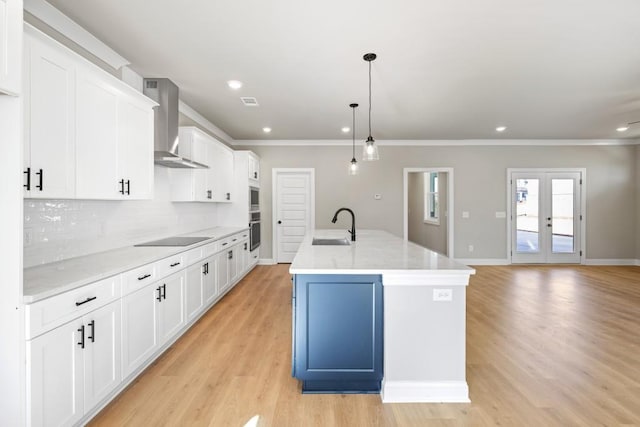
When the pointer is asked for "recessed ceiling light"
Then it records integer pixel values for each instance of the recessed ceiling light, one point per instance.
(346, 129)
(266, 129)
(622, 128)
(501, 128)
(234, 84)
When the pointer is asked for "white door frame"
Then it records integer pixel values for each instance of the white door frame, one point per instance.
(583, 206)
(449, 207)
(274, 202)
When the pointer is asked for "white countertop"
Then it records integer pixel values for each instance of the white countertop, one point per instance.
(44, 281)
(373, 252)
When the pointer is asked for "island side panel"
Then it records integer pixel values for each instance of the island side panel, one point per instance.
(424, 354)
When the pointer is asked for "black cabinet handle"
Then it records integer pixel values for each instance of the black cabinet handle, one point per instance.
(230, 255)
(235, 240)
(245, 246)
(144, 277)
(255, 175)
(159, 289)
(121, 186)
(279, 222)
(174, 264)
(81, 330)
(164, 291)
(209, 192)
(40, 180)
(228, 196)
(204, 268)
(28, 184)
(92, 337)
(85, 301)
(128, 186)
(225, 243)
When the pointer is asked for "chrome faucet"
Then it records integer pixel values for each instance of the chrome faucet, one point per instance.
(353, 222)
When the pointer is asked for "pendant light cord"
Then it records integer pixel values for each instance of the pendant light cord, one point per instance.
(369, 98)
(353, 134)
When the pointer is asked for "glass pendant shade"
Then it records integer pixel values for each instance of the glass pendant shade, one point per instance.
(353, 167)
(370, 150)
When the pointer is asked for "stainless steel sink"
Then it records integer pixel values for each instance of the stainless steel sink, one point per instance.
(330, 242)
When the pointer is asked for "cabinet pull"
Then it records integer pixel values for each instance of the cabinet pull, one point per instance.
(85, 301)
(255, 175)
(225, 243)
(209, 194)
(174, 264)
(121, 186)
(228, 196)
(205, 268)
(28, 184)
(230, 255)
(81, 330)
(144, 277)
(235, 240)
(159, 297)
(92, 337)
(128, 186)
(164, 291)
(40, 180)
(245, 246)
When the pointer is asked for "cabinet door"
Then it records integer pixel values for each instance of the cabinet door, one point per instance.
(222, 271)
(102, 359)
(139, 323)
(254, 168)
(234, 264)
(171, 309)
(210, 291)
(221, 172)
(195, 277)
(135, 149)
(10, 42)
(49, 119)
(96, 139)
(55, 378)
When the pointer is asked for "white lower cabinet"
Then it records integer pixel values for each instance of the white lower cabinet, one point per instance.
(222, 261)
(210, 280)
(195, 287)
(151, 316)
(73, 367)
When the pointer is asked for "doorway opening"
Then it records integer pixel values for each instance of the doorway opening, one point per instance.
(546, 219)
(428, 202)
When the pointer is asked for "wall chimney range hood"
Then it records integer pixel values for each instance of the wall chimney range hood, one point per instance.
(166, 143)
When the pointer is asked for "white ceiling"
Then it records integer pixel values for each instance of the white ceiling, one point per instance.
(451, 69)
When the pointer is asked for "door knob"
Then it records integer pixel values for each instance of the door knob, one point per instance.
(279, 222)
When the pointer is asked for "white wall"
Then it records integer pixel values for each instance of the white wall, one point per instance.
(62, 229)
(480, 189)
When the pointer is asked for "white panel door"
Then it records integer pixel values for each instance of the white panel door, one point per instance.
(195, 287)
(135, 148)
(293, 212)
(97, 139)
(49, 113)
(546, 215)
(171, 315)
(55, 377)
(139, 323)
(102, 356)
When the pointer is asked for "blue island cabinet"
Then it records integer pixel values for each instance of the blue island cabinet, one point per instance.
(337, 333)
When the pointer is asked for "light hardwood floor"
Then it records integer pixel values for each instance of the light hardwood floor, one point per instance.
(546, 346)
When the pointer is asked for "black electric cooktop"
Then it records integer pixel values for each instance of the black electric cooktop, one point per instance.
(174, 241)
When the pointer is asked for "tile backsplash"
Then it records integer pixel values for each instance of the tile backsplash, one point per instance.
(55, 230)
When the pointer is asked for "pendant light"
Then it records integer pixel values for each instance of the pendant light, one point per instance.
(353, 165)
(370, 150)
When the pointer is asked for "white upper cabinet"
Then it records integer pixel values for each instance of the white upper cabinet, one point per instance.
(202, 185)
(49, 120)
(254, 168)
(10, 42)
(88, 135)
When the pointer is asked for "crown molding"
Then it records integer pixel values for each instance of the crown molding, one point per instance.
(205, 123)
(441, 142)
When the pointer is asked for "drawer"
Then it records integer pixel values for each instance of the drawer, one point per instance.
(167, 266)
(45, 315)
(235, 239)
(224, 244)
(210, 249)
(137, 278)
(244, 235)
(194, 255)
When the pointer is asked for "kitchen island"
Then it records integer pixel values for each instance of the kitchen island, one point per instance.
(379, 308)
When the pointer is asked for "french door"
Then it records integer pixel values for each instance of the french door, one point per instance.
(545, 217)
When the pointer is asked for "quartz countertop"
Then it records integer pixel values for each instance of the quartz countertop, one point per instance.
(46, 280)
(373, 252)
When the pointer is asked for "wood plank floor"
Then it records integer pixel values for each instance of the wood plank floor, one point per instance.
(546, 346)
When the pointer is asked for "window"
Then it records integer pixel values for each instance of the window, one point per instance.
(431, 205)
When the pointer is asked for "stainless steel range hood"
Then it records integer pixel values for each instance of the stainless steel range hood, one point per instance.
(166, 143)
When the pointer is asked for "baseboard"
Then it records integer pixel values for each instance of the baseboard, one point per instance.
(483, 261)
(266, 261)
(424, 391)
(611, 261)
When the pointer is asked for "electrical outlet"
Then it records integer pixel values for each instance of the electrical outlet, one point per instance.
(501, 214)
(465, 214)
(442, 295)
(377, 196)
(470, 248)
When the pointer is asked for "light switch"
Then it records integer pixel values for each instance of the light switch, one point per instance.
(465, 214)
(501, 214)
